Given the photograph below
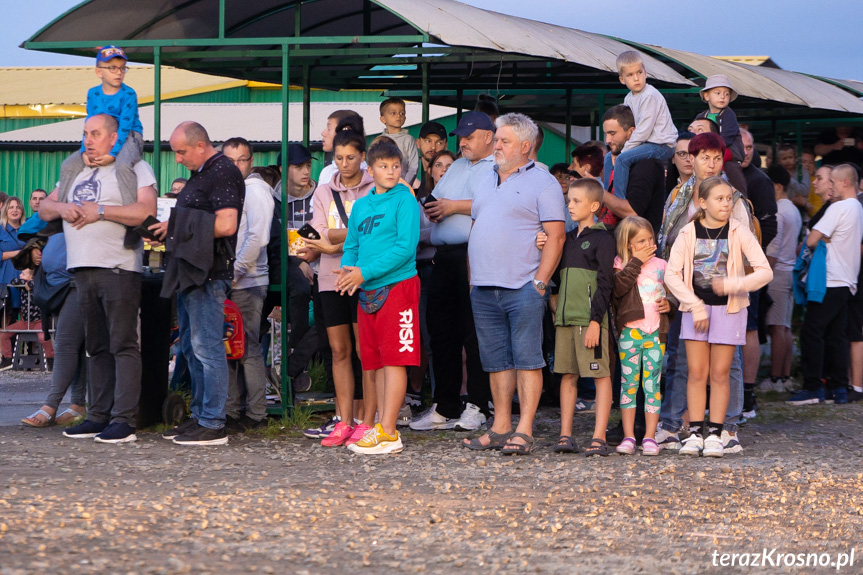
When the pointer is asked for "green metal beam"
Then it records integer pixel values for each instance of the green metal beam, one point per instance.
(315, 40)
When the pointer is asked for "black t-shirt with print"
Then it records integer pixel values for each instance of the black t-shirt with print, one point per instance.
(710, 261)
(218, 185)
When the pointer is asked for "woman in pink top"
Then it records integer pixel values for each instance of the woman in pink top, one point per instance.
(332, 204)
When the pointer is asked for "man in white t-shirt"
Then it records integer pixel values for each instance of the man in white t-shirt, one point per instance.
(824, 338)
(107, 275)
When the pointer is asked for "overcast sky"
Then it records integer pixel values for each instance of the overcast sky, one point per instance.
(799, 35)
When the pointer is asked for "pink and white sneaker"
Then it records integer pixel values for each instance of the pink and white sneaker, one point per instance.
(650, 447)
(359, 432)
(341, 433)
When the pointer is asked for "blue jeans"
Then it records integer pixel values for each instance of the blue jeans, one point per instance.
(676, 376)
(201, 315)
(625, 160)
(509, 327)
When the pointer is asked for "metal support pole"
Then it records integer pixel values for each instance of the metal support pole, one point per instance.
(799, 126)
(774, 135)
(592, 124)
(601, 135)
(157, 115)
(459, 104)
(425, 93)
(568, 124)
(287, 390)
(307, 104)
(221, 19)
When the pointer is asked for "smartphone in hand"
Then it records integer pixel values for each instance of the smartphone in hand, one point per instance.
(308, 232)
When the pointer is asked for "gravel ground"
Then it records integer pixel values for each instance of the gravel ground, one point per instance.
(263, 504)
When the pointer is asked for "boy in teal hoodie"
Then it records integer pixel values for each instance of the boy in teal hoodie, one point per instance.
(379, 259)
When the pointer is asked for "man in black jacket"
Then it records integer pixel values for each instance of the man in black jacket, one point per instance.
(216, 186)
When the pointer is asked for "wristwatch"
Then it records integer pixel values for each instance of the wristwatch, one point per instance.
(101, 213)
(540, 285)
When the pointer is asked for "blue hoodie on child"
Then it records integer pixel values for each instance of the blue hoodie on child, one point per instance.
(383, 233)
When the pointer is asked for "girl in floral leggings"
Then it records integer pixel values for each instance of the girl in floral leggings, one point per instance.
(641, 306)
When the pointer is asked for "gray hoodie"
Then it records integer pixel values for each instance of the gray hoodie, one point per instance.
(408, 146)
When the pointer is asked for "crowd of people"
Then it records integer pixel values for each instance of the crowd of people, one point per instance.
(640, 274)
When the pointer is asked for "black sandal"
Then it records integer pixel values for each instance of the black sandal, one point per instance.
(518, 448)
(565, 444)
(597, 447)
(495, 441)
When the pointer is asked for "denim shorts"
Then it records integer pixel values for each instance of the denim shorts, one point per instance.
(723, 328)
(509, 327)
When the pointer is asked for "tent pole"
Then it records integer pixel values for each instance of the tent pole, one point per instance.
(287, 395)
(459, 104)
(568, 124)
(800, 149)
(307, 106)
(601, 134)
(425, 93)
(221, 19)
(157, 114)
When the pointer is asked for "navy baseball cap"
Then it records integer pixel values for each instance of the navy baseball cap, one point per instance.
(473, 121)
(297, 154)
(109, 53)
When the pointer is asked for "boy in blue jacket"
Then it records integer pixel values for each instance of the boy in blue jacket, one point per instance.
(117, 99)
(379, 259)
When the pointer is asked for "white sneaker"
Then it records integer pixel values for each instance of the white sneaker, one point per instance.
(431, 420)
(730, 443)
(471, 419)
(405, 415)
(692, 445)
(713, 446)
(667, 440)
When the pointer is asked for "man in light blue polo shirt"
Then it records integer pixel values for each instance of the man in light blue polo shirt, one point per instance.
(508, 275)
(449, 315)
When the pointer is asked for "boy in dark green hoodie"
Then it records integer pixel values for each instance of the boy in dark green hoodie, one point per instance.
(380, 260)
(584, 277)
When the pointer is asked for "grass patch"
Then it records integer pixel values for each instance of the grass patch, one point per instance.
(294, 423)
(318, 373)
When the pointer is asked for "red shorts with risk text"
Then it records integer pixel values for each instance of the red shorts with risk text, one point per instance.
(391, 336)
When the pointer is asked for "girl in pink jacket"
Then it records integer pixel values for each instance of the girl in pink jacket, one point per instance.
(706, 273)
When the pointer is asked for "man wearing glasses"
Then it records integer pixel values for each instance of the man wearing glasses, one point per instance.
(116, 99)
(247, 378)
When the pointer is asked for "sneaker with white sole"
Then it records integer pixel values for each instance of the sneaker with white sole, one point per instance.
(730, 443)
(414, 398)
(431, 420)
(667, 440)
(585, 406)
(692, 445)
(322, 431)
(405, 416)
(117, 432)
(377, 442)
(807, 397)
(713, 446)
(471, 419)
